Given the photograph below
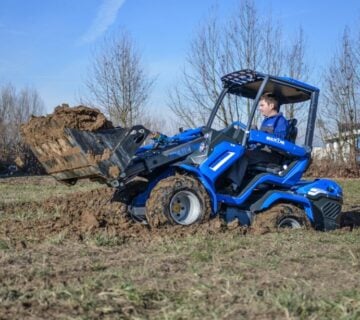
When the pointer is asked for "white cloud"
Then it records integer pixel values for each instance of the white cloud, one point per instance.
(104, 19)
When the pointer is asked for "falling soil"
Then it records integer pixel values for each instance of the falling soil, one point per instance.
(114, 171)
(39, 129)
(96, 158)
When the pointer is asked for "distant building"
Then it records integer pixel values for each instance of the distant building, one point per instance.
(338, 147)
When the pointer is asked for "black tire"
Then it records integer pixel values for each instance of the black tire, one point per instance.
(281, 216)
(170, 199)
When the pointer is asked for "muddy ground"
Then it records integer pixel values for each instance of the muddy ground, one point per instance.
(78, 255)
(80, 214)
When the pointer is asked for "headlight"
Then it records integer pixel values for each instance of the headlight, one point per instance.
(315, 191)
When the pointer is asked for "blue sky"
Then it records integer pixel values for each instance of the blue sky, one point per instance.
(48, 44)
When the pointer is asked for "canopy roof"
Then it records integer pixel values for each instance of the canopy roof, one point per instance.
(287, 90)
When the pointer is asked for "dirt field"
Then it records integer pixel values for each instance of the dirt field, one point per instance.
(71, 253)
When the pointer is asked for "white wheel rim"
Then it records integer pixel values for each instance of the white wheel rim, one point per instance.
(290, 223)
(185, 208)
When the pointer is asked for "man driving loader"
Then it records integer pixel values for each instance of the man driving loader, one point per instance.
(274, 123)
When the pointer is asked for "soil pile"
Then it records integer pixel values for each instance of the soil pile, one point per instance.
(40, 129)
(75, 215)
(330, 169)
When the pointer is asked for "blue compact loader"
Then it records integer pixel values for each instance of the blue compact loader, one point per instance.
(200, 173)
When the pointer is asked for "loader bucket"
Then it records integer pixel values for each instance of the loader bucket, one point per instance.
(101, 155)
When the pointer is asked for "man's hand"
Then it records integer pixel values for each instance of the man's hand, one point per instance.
(158, 137)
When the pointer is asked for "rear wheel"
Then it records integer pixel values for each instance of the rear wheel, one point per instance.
(290, 222)
(179, 200)
(282, 216)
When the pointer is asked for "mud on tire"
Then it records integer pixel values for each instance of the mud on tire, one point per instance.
(178, 199)
(281, 216)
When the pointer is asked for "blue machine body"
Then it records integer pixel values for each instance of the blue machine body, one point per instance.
(194, 152)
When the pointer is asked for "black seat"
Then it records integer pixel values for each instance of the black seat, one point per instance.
(292, 130)
(276, 168)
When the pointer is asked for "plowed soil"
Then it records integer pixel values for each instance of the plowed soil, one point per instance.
(80, 117)
(81, 214)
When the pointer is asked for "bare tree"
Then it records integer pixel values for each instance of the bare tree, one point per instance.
(118, 82)
(246, 35)
(296, 67)
(215, 51)
(339, 121)
(245, 41)
(7, 103)
(193, 99)
(15, 109)
(273, 52)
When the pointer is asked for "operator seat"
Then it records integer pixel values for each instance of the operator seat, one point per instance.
(292, 130)
(275, 168)
(239, 169)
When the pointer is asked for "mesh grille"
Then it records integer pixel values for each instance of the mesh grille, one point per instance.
(331, 210)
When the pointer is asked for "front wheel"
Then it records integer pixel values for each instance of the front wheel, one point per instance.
(179, 199)
(281, 216)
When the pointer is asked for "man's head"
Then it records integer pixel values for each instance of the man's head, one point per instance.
(268, 105)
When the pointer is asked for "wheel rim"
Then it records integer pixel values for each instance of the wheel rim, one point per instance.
(289, 222)
(185, 207)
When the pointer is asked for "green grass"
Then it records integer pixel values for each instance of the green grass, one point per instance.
(104, 240)
(4, 245)
(38, 189)
(283, 276)
(351, 190)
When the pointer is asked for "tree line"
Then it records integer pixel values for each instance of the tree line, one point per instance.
(339, 120)
(118, 82)
(16, 107)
